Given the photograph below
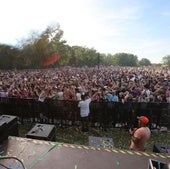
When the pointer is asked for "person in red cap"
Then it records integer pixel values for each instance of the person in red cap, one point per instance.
(141, 135)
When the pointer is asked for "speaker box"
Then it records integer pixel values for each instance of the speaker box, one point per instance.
(42, 132)
(8, 127)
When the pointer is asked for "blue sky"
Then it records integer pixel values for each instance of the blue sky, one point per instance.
(140, 27)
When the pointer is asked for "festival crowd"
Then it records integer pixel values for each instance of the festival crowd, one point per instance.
(140, 84)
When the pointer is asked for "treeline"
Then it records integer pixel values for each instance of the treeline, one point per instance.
(38, 47)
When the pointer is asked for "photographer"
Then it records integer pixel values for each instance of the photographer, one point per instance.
(141, 135)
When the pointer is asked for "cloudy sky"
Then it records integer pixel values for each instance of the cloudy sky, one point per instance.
(140, 27)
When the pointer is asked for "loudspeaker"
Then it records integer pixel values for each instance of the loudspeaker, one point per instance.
(42, 132)
(8, 127)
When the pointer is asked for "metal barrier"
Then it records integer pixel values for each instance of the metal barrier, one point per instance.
(105, 114)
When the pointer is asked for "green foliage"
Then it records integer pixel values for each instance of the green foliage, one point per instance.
(83, 56)
(166, 60)
(125, 59)
(38, 47)
(108, 60)
(144, 62)
(8, 57)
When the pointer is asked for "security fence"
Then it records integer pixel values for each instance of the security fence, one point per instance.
(103, 114)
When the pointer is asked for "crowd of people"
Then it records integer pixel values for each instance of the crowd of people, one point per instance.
(144, 84)
(112, 84)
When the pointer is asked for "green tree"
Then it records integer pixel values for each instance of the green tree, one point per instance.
(166, 60)
(108, 60)
(77, 56)
(103, 59)
(91, 57)
(40, 47)
(83, 56)
(57, 45)
(8, 57)
(144, 62)
(67, 54)
(125, 59)
(33, 50)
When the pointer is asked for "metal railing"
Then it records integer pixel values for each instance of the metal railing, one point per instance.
(104, 114)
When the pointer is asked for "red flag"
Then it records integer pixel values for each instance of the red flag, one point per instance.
(52, 60)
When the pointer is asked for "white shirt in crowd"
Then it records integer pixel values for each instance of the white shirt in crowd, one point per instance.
(78, 96)
(60, 95)
(84, 107)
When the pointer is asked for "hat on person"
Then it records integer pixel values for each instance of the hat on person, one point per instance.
(143, 119)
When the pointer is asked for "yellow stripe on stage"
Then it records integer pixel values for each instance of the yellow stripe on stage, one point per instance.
(108, 150)
(137, 153)
(123, 152)
(146, 154)
(130, 152)
(115, 151)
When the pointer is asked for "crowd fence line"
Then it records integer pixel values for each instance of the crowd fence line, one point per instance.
(102, 113)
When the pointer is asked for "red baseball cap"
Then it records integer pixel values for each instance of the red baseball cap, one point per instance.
(143, 119)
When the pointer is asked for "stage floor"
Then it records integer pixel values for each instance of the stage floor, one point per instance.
(38, 154)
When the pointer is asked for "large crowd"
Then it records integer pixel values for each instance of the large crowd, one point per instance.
(139, 84)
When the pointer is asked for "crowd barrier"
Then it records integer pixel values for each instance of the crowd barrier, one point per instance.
(102, 113)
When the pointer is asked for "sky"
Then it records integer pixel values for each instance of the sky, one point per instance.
(139, 27)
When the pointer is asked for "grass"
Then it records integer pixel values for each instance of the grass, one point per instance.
(121, 137)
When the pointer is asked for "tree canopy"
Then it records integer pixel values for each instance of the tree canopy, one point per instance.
(144, 62)
(166, 60)
(38, 47)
